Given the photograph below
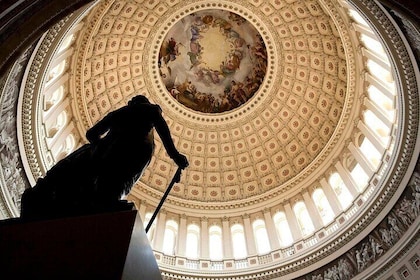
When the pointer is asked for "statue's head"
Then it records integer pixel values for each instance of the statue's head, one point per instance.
(139, 99)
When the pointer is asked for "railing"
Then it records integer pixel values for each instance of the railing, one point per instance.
(264, 259)
(241, 264)
(169, 260)
(287, 252)
(351, 211)
(192, 264)
(217, 265)
(311, 241)
(331, 228)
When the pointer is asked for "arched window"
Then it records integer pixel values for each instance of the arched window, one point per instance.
(304, 220)
(383, 101)
(370, 152)
(323, 206)
(376, 125)
(70, 143)
(357, 17)
(169, 238)
(261, 237)
(238, 241)
(373, 45)
(58, 123)
(57, 71)
(66, 43)
(340, 189)
(359, 177)
(215, 243)
(66, 148)
(283, 229)
(380, 72)
(193, 241)
(54, 98)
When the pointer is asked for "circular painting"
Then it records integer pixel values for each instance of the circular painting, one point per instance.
(212, 61)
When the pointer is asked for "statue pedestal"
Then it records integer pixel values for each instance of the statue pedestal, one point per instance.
(101, 246)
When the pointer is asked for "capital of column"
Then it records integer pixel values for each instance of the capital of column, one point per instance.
(267, 210)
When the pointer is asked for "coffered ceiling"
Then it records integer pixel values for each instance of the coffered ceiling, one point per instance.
(265, 145)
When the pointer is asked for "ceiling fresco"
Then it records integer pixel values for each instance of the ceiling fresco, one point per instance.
(212, 61)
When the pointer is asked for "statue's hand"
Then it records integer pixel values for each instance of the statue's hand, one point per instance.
(181, 161)
(177, 176)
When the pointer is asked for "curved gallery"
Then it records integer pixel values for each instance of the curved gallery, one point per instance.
(301, 154)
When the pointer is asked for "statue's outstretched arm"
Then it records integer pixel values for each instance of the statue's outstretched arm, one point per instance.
(163, 130)
(98, 130)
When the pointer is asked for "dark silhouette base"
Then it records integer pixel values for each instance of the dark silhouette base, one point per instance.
(70, 189)
(106, 246)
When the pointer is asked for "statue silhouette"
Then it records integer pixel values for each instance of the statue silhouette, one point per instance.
(96, 176)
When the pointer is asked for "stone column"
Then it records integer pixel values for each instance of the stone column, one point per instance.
(332, 197)
(182, 235)
(142, 209)
(293, 222)
(313, 211)
(376, 58)
(204, 238)
(249, 236)
(271, 230)
(347, 179)
(378, 112)
(160, 231)
(373, 138)
(361, 159)
(227, 239)
(381, 86)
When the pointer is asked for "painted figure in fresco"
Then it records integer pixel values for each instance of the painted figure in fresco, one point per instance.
(97, 175)
(169, 51)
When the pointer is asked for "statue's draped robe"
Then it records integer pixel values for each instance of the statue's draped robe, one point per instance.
(96, 175)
